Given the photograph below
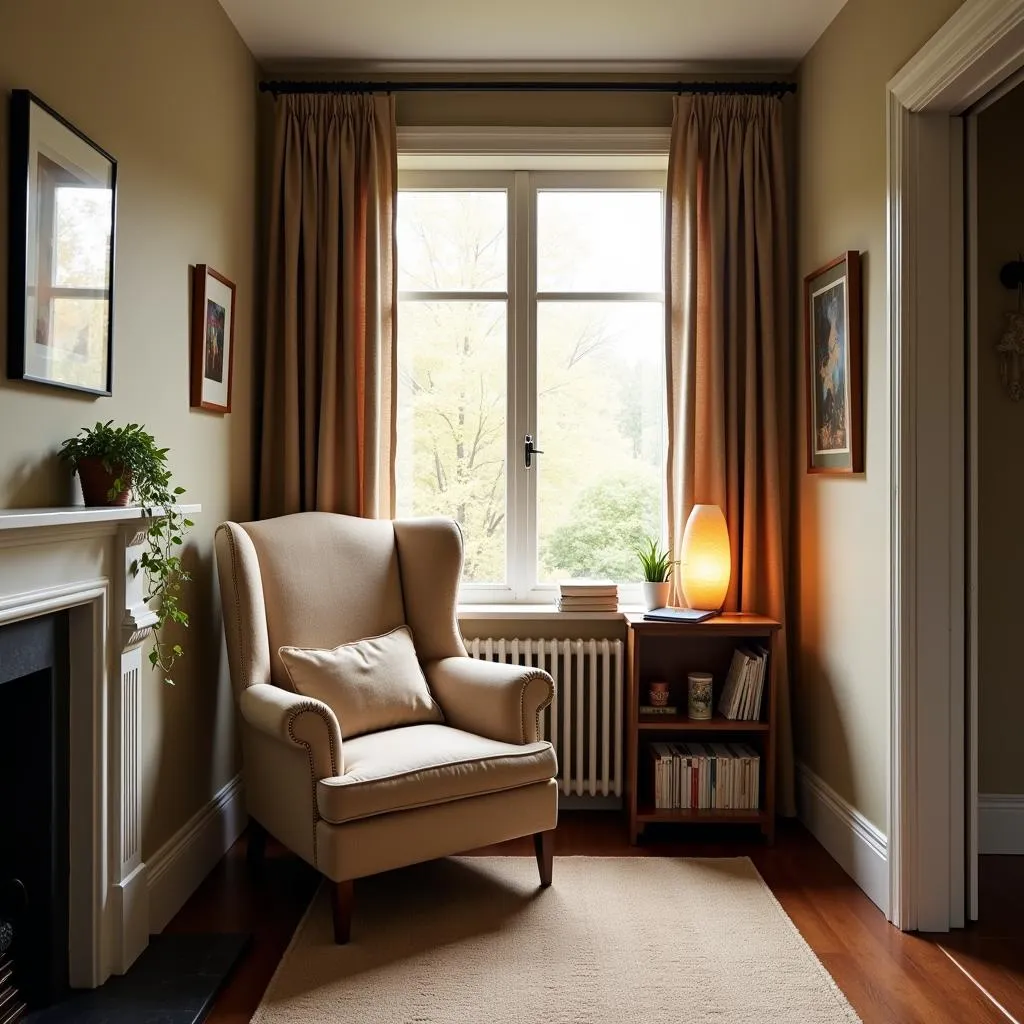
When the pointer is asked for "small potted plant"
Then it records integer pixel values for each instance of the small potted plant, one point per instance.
(115, 466)
(657, 567)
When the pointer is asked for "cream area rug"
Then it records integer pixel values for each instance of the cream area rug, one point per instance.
(615, 940)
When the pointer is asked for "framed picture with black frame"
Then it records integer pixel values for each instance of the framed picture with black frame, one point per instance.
(832, 351)
(60, 253)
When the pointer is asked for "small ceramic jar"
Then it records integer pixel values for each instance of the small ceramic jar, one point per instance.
(698, 685)
(659, 694)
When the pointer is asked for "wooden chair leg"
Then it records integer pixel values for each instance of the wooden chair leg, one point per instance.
(544, 845)
(342, 899)
(255, 844)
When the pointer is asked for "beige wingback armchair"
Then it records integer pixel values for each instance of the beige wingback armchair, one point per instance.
(476, 773)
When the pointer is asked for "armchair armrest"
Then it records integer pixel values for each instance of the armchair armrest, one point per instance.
(296, 720)
(501, 702)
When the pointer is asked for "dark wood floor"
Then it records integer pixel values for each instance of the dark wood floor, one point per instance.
(991, 952)
(888, 976)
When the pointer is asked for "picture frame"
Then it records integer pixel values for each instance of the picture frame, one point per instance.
(213, 339)
(832, 351)
(62, 217)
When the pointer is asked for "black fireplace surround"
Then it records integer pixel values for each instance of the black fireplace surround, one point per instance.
(34, 740)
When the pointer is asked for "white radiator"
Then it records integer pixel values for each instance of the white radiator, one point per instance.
(584, 721)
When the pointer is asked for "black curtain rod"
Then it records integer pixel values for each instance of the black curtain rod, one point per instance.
(726, 88)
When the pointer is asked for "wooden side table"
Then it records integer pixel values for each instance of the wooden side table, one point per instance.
(669, 651)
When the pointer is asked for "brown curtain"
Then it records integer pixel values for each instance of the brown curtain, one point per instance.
(328, 423)
(729, 348)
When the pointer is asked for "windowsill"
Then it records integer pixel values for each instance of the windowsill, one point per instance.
(546, 612)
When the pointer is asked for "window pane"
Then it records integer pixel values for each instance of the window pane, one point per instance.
(452, 241)
(451, 423)
(71, 340)
(599, 241)
(82, 243)
(600, 383)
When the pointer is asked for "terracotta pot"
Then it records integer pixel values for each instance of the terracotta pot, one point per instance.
(97, 481)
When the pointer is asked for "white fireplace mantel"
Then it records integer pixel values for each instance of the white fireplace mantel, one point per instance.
(78, 515)
(79, 560)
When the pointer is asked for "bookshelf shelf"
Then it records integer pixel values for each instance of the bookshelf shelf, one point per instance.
(716, 724)
(668, 651)
(647, 813)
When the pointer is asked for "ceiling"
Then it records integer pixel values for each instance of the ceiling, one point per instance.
(776, 33)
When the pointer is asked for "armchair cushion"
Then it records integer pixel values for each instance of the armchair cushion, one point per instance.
(370, 684)
(427, 764)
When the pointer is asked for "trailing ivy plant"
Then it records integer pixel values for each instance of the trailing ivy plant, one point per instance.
(131, 454)
(656, 564)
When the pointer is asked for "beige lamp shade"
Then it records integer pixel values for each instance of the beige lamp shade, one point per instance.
(705, 561)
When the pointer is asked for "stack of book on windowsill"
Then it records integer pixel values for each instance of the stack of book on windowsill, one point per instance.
(744, 685)
(588, 596)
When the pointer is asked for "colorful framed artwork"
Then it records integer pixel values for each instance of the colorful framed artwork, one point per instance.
(833, 346)
(60, 292)
(213, 339)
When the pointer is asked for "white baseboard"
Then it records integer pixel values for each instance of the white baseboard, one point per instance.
(1001, 823)
(176, 870)
(854, 843)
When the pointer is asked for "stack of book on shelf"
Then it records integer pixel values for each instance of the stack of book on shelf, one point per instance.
(588, 596)
(744, 685)
(711, 776)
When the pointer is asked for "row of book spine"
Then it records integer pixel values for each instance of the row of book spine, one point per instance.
(712, 776)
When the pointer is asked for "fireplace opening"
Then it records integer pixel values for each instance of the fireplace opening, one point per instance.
(34, 798)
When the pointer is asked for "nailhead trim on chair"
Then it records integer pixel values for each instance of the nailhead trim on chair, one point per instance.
(522, 704)
(302, 709)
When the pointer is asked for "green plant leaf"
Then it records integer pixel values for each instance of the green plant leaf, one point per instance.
(130, 452)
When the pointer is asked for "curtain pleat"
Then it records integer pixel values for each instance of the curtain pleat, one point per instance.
(329, 370)
(728, 342)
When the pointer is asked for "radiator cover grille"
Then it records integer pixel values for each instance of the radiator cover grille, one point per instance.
(585, 719)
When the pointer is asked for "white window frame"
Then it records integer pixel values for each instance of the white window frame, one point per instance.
(512, 172)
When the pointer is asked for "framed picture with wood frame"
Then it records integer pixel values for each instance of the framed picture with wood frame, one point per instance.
(213, 339)
(832, 350)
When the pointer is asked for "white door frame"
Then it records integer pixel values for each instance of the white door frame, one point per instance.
(973, 53)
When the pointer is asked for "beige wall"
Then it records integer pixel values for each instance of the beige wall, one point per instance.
(588, 110)
(842, 542)
(1000, 440)
(168, 89)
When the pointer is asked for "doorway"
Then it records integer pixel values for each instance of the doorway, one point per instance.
(995, 489)
(934, 784)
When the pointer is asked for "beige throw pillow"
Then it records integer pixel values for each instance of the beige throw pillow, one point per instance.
(370, 684)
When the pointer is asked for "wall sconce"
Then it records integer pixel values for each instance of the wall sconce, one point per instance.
(705, 559)
(1010, 347)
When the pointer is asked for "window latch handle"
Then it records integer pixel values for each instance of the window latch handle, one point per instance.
(529, 450)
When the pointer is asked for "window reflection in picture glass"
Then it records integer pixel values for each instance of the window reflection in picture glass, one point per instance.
(61, 251)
